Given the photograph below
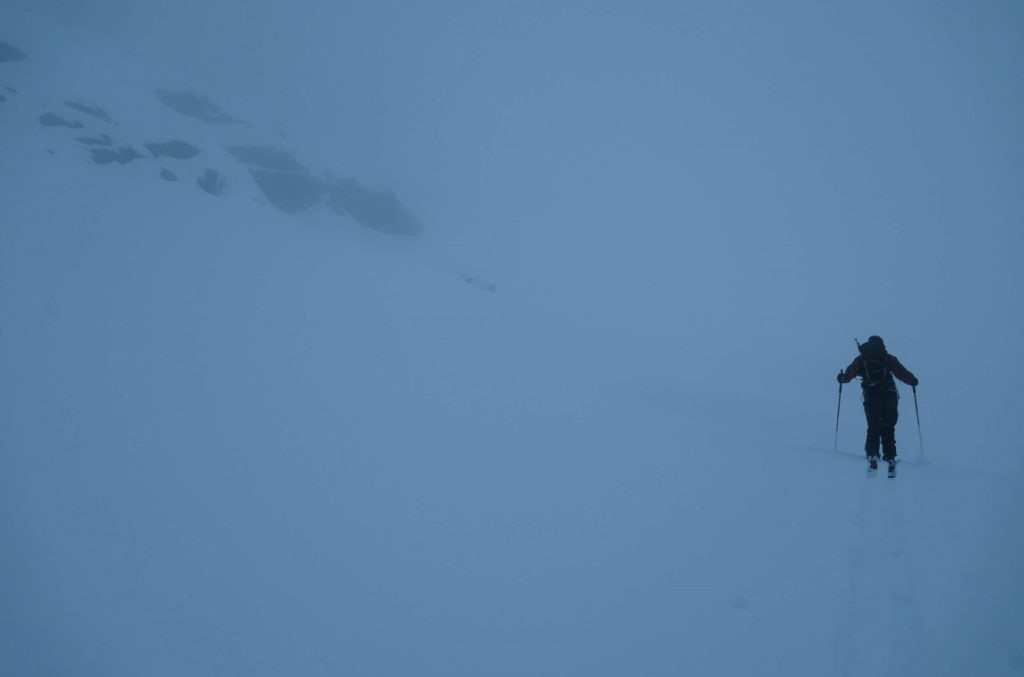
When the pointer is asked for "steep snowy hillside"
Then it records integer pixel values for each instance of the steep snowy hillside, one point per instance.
(282, 427)
(233, 446)
(140, 129)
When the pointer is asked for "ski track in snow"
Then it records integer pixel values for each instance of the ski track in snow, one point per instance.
(881, 633)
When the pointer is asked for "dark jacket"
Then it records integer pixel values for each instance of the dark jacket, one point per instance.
(856, 368)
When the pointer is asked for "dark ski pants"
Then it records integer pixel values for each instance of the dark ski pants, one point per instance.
(882, 411)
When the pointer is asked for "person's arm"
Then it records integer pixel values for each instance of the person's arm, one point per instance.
(850, 372)
(901, 372)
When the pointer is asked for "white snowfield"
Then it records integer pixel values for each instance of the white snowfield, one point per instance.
(239, 442)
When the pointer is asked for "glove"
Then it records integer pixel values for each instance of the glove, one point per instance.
(840, 375)
(914, 384)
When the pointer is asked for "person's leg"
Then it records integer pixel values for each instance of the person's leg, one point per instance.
(874, 436)
(889, 414)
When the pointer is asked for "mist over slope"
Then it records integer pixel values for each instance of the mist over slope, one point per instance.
(578, 420)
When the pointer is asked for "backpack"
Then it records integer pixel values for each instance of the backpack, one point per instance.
(875, 370)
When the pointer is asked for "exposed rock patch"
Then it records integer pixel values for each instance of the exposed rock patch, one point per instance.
(96, 112)
(283, 181)
(101, 140)
(289, 186)
(378, 209)
(122, 156)
(194, 105)
(168, 175)
(480, 284)
(212, 182)
(51, 120)
(267, 157)
(174, 149)
(289, 192)
(9, 52)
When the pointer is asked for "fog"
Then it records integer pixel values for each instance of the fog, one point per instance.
(579, 422)
(708, 147)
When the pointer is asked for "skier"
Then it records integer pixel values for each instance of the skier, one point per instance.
(876, 367)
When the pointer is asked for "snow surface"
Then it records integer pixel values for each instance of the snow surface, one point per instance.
(235, 442)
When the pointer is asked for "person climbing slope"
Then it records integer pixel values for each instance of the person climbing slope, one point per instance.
(877, 367)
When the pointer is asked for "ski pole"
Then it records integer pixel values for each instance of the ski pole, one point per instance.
(920, 440)
(835, 442)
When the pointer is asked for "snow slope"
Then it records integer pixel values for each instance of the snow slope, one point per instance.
(236, 445)
(239, 442)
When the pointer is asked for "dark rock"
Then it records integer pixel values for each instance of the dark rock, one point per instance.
(96, 112)
(194, 105)
(288, 186)
(168, 175)
(284, 182)
(378, 209)
(51, 120)
(10, 89)
(9, 52)
(174, 149)
(479, 284)
(101, 140)
(212, 182)
(289, 192)
(267, 157)
(122, 156)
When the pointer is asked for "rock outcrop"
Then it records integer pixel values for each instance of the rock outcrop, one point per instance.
(194, 105)
(9, 52)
